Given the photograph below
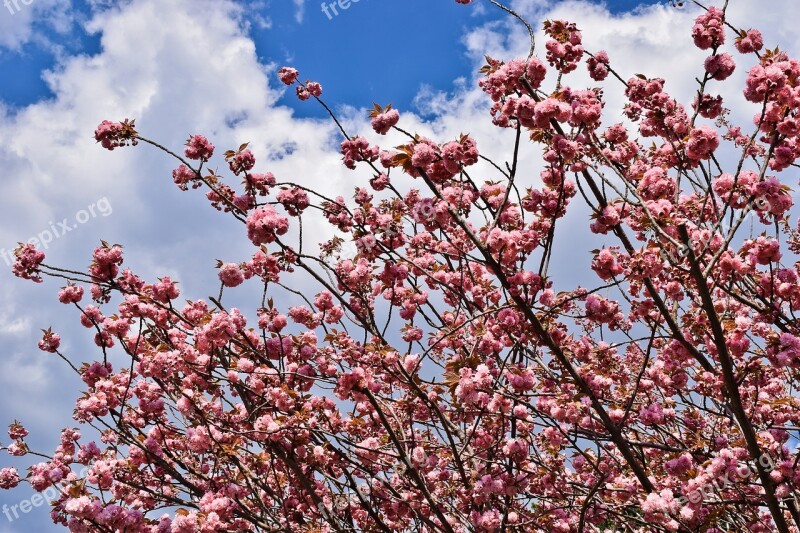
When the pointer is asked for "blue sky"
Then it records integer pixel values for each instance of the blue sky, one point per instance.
(208, 66)
(371, 51)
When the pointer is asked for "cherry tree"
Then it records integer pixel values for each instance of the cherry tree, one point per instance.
(433, 377)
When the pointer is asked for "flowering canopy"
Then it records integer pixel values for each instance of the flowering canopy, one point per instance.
(436, 379)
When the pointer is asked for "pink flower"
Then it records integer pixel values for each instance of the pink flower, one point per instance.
(91, 316)
(551, 109)
(606, 220)
(260, 183)
(106, 261)
(750, 42)
(314, 88)
(424, 155)
(71, 294)
(766, 80)
(288, 75)
(507, 79)
(184, 175)
(602, 310)
(418, 456)
(242, 161)
(115, 134)
(702, 143)
(264, 225)
(17, 431)
(535, 72)
(294, 200)
(765, 251)
(564, 50)
(490, 520)
(165, 290)
(720, 66)
(708, 106)
(357, 149)
(709, 29)
(231, 275)
(652, 415)
(516, 449)
(788, 350)
(28, 261)
(198, 147)
(50, 341)
(310, 89)
(586, 109)
(680, 465)
(598, 66)
(17, 449)
(9, 478)
(411, 363)
(385, 121)
(380, 182)
(656, 184)
(656, 504)
(606, 266)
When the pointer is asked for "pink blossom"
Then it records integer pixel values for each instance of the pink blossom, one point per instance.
(314, 88)
(656, 184)
(71, 294)
(606, 220)
(357, 149)
(750, 42)
(198, 147)
(242, 161)
(50, 342)
(709, 29)
(383, 122)
(424, 155)
(602, 310)
(264, 225)
(165, 290)
(17, 431)
(288, 75)
(598, 66)
(231, 275)
(788, 350)
(605, 265)
(765, 251)
(418, 356)
(28, 261)
(183, 175)
(9, 478)
(708, 106)
(564, 50)
(115, 134)
(720, 66)
(702, 143)
(294, 200)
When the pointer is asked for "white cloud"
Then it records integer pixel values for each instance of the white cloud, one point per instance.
(20, 21)
(300, 9)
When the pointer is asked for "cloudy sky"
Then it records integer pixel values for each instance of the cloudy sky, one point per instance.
(208, 66)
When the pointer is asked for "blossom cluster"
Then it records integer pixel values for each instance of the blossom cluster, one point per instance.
(441, 377)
